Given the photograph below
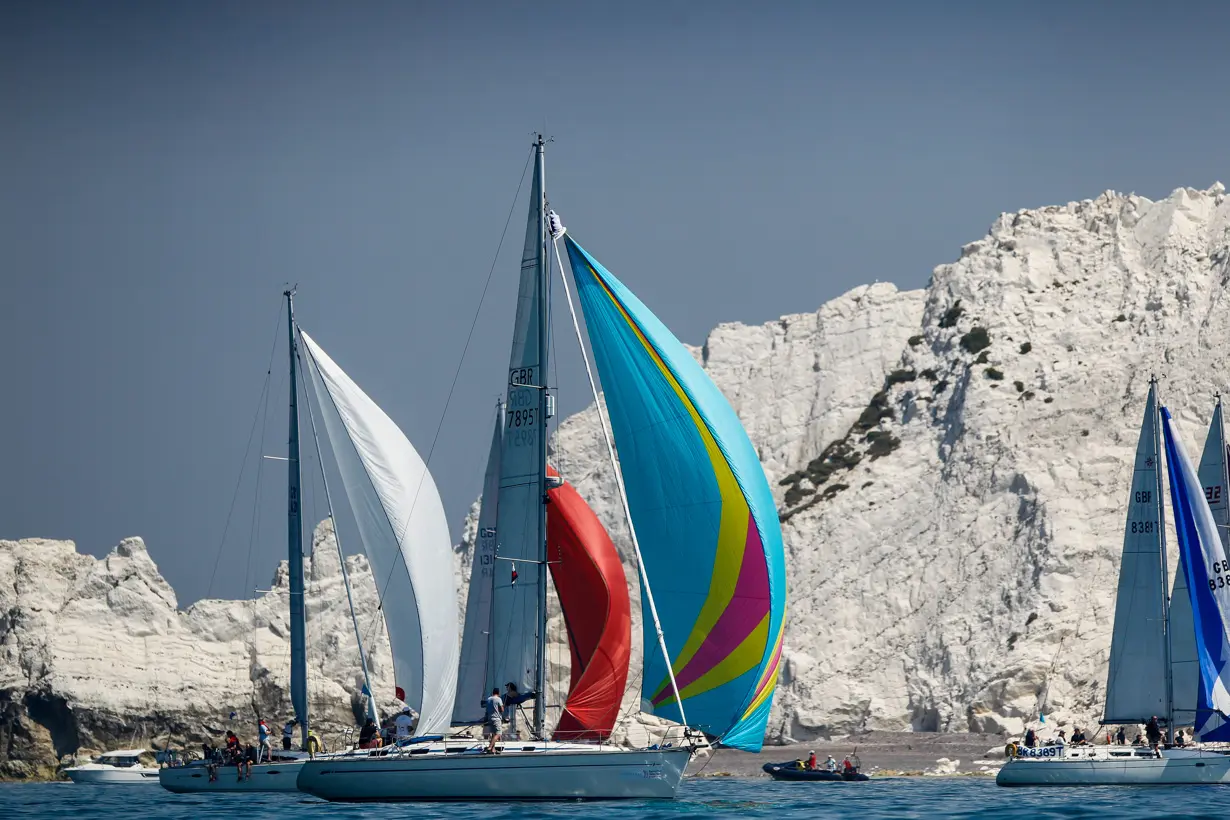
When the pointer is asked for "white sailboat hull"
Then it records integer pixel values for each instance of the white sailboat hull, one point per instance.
(265, 777)
(94, 773)
(549, 772)
(1110, 766)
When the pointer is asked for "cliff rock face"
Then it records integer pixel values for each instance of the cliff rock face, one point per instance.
(95, 654)
(950, 467)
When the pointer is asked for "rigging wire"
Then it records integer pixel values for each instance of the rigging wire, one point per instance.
(383, 589)
(260, 400)
(254, 531)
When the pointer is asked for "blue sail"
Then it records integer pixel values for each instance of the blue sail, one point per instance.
(703, 513)
(1208, 572)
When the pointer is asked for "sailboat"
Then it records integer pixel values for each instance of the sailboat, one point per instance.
(704, 530)
(404, 534)
(1169, 656)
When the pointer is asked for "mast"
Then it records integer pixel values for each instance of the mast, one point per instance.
(294, 544)
(1165, 574)
(540, 683)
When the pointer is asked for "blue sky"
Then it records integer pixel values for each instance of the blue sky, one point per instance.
(169, 166)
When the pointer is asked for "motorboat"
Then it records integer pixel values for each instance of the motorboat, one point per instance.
(113, 768)
(794, 772)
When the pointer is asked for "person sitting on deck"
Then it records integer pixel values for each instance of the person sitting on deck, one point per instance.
(369, 735)
(830, 765)
(847, 767)
(247, 758)
(1078, 737)
(1179, 739)
(1138, 740)
(1061, 740)
(233, 748)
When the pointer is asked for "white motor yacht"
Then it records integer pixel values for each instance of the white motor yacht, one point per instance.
(123, 766)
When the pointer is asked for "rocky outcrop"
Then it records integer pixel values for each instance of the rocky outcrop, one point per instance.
(94, 653)
(950, 466)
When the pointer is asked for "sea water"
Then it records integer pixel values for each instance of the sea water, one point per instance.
(922, 797)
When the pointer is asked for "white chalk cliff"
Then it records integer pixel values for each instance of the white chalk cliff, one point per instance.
(94, 653)
(950, 466)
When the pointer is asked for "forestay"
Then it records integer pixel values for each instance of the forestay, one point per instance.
(1136, 681)
(401, 522)
(1204, 559)
(472, 683)
(703, 512)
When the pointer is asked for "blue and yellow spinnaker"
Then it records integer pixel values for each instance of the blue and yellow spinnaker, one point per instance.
(704, 516)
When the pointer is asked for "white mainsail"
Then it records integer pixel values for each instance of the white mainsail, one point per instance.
(401, 521)
(472, 683)
(1136, 681)
(1183, 659)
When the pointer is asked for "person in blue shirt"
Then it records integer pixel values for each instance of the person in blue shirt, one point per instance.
(263, 750)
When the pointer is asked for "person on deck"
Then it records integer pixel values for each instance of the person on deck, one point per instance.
(233, 748)
(314, 746)
(491, 719)
(1031, 739)
(1153, 732)
(1061, 740)
(288, 734)
(369, 735)
(247, 758)
(1179, 739)
(847, 767)
(404, 724)
(264, 750)
(513, 699)
(830, 765)
(811, 760)
(1078, 737)
(1121, 737)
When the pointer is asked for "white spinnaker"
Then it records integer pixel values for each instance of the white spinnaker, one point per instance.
(405, 535)
(1136, 679)
(472, 683)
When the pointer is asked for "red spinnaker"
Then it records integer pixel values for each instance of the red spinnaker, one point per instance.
(593, 593)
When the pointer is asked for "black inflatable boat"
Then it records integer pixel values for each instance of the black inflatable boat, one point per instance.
(791, 771)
